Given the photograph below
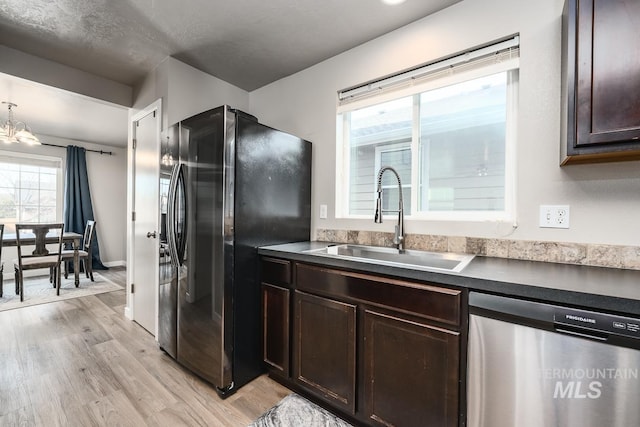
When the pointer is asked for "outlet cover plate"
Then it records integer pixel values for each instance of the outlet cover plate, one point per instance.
(323, 211)
(554, 216)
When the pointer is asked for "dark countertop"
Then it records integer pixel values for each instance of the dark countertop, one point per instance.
(597, 288)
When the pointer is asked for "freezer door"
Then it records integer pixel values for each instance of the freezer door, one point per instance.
(202, 314)
(528, 377)
(168, 278)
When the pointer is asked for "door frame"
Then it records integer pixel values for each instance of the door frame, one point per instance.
(156, 107)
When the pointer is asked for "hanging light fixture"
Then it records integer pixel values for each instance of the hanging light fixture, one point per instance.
(167, 158)
(12, 131)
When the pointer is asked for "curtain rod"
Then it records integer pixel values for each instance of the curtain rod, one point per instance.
(86, 149)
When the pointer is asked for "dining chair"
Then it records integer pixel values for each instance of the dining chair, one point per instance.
(84, 253)
(40, 257)
(1, 262)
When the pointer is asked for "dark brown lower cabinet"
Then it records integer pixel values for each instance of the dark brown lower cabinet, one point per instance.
(377, 350)
(325, 349)
(410, 372)
(275, 328)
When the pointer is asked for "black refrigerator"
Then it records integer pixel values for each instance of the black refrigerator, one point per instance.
(228, 185)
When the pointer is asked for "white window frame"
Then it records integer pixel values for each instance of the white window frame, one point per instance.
(433, 81)
(38, 160)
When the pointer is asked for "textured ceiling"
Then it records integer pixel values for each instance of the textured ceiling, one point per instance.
(248, 43)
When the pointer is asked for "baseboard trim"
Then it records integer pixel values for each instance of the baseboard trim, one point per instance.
(120, 263)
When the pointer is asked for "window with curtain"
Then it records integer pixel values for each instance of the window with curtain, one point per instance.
(30, 189)
(447, 129)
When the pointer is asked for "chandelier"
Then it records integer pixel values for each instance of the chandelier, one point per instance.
(12, 131)
(167, 158)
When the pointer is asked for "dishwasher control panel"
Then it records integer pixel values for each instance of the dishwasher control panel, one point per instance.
(607, 323)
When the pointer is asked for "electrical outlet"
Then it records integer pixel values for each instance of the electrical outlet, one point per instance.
(323, 211)
(554, 216)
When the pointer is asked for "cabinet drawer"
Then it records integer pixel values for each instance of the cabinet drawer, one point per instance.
(275, 271)
(428, 301)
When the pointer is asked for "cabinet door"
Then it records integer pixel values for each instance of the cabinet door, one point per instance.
(325, 348)
(602, 57)
(275, 328)
(411, 372)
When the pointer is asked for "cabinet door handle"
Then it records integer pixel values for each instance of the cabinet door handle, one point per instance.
(151, 234)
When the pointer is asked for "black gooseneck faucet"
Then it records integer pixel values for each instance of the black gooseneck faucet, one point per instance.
(398, 240)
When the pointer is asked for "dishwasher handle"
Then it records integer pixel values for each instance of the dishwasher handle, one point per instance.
(593, 335)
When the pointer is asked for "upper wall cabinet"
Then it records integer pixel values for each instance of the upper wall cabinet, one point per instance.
(600, 81)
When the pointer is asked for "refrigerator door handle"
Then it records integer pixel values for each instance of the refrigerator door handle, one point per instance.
(171, 226)
(180, 224)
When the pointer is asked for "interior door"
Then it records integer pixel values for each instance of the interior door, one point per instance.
(145, 226)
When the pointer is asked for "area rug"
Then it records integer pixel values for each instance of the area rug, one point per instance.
(296, 411)
(38, 290)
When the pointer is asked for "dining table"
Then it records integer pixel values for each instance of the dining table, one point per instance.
(40, 241)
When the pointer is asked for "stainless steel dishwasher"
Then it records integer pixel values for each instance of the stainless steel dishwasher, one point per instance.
(541, 365)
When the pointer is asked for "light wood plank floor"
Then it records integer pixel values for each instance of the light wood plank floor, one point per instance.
(80, 362)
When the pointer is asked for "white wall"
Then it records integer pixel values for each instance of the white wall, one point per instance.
(108, 185)
(191, 92)
(185, 91)
(604, 198)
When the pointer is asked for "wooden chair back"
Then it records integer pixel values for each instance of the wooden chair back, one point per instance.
(36, 235)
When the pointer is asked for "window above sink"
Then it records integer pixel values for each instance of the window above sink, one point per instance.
(450, 134)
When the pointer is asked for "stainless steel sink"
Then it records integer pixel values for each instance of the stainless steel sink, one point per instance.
(421, 260)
